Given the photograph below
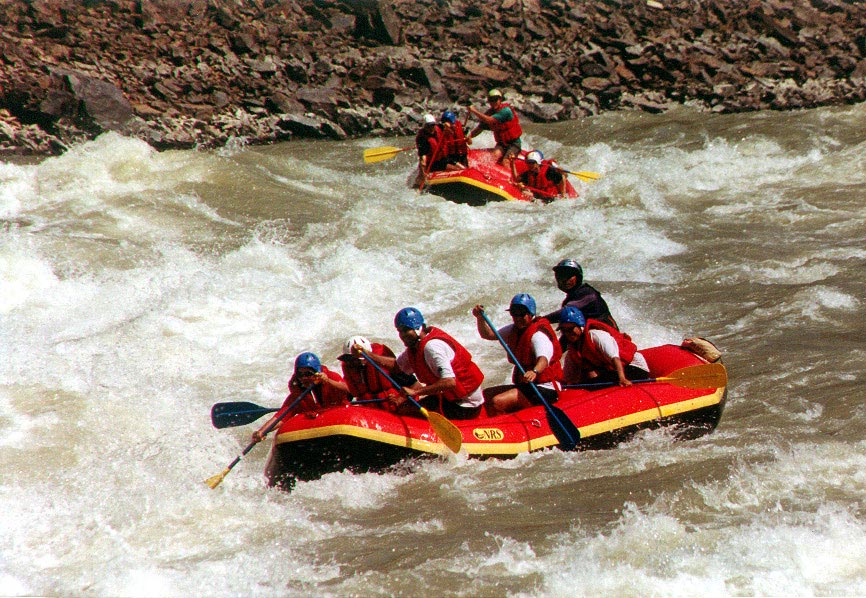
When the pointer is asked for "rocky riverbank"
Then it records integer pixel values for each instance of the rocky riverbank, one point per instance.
(196, 73)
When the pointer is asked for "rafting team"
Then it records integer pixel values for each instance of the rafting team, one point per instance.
(445, 146)
(438, 372)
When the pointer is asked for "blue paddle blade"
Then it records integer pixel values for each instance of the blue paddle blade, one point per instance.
(229, 415)
(562, 427)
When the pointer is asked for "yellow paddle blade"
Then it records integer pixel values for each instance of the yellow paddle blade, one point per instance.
(378, 154)
(214, 481)
(448, 433)
(710, 375)
(585, 175)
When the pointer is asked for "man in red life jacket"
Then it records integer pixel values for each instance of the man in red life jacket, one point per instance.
(428, 142)
(455, 150)
(597, 352)
(329, 390)
(364, 381)
(542, 178)
(533, 342)
(442, 364)
(502, 119)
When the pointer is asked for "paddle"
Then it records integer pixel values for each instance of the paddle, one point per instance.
(583, 175)
(709, 375)
(562, 427)
(214, 481)
(379, 154)
(229, 415)
(447, 432)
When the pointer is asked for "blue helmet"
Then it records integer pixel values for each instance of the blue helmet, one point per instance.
(409, 317)
(309, 361)
(523, 300)
(448, 116)
(572, 315)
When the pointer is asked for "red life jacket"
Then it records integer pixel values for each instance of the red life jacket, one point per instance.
(590, 354)
(428, 142)
(468, 374)
(507, 132)
(522, 349)
(453, 142)
(539, 183)
(323, 395)
(364, 381)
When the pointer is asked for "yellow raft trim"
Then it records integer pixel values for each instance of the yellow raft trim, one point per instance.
(474, 183)
(694, 404)
(402, 440)
(616, 423)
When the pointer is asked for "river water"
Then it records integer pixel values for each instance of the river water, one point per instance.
(138, 288)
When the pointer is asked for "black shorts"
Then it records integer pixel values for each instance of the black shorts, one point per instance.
(449, 409)
(549, 394)
(455, 411)
(438, 165)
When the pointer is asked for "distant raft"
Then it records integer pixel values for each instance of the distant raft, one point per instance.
(483, 182)
(684, 393)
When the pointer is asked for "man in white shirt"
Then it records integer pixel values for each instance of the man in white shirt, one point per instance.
(443, 365)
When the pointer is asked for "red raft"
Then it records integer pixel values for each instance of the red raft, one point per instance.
(361, 438)
(484, 181)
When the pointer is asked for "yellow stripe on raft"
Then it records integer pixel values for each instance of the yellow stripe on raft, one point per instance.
(617, 423)
(693, 404)
(401, 440)
(474, 183)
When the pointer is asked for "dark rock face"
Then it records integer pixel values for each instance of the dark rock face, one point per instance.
(187, 73)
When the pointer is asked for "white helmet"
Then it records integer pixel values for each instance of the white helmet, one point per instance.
(429, 119)
(356, 340)
(534, 156)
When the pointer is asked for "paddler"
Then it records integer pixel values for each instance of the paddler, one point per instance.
(451, 379)
(329, 390)
(365, 383)
(455, 150)
(533, 342)
(596, 352)
(543, 178)
(428, 142)
(569, 279)
(502, 119)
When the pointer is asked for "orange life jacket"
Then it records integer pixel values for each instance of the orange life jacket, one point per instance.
(468, 374)
(453, 142)
(507, 132)
(522, 349)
